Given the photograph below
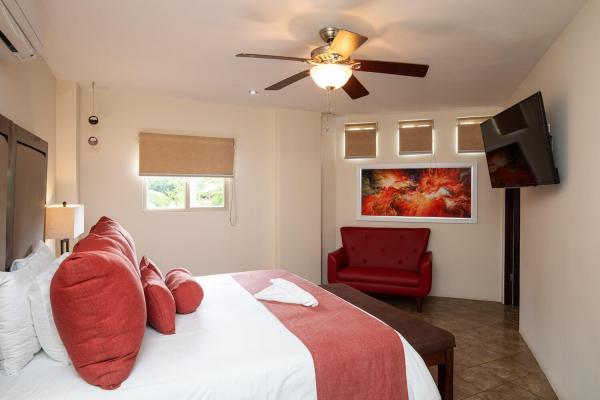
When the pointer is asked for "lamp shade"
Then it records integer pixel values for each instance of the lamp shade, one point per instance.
(330, 76)
(64, 222)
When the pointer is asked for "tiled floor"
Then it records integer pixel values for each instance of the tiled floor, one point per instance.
(492, 362)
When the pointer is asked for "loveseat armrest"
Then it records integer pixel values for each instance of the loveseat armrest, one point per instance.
(336, 260)
(425, 271)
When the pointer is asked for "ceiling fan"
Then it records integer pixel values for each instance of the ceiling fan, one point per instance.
(332, 68)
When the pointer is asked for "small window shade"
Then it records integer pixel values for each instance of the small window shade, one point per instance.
(361, 140)
(416, 137)
(179, 155)
(469, 138)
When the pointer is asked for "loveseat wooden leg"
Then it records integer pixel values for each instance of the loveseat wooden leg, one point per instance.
(419, 304)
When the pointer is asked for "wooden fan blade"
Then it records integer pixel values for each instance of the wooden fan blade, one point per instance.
(345, 43)
(354, 88)
(289, 81)
(394, 68)
(249, 55)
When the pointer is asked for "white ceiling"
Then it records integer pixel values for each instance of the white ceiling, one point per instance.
(479, 50)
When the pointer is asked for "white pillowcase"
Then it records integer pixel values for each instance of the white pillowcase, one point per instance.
(41, 313)
(37, 260)
(18, 341)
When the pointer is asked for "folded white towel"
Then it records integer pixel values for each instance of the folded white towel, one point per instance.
(284, 291)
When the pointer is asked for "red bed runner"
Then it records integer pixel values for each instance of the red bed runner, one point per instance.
(355, 356)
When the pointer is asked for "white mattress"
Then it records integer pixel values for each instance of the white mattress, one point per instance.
(231, 348)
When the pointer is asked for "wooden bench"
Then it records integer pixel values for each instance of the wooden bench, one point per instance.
(434, 344)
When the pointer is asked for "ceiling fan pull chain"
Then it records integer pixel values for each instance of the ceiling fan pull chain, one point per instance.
(329, 112)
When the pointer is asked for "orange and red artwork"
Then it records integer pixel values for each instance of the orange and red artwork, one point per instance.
(423, 193)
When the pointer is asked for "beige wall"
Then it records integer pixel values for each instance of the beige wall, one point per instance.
(559, 317)
(67, 168)
(328, 192)
(298, 192)
(277, 183)
(467, 257)
(27, 97)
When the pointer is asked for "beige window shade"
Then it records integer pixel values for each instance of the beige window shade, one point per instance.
(361, 140)
(416, 137)
(179, 155)
(469, 138)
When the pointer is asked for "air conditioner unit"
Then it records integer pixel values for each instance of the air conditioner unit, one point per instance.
(18, 38)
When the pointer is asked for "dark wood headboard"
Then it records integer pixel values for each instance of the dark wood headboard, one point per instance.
(23, 167)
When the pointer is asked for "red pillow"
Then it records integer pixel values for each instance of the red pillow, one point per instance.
(110, 228)
(145, 262)
(187, 292)
(94, 242)
(100, 314)
(160, 305)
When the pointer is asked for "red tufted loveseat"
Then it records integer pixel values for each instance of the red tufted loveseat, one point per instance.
(383, 260)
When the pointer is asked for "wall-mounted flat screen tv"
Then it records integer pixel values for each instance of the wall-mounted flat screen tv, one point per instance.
(518, 146)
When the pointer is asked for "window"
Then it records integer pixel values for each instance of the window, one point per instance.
(360, 140)
(468, 135)
(179, 193)
(207, 192)
(415, 137)
(164, 193)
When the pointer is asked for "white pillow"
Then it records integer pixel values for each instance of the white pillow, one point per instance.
(18, 342)
(38, 259)
(41, 313)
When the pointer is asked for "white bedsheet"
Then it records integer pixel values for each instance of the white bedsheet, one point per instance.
(231, 348)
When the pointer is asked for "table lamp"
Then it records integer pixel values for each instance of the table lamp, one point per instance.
(64, 221)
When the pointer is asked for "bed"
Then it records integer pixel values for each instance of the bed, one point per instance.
(233, 347)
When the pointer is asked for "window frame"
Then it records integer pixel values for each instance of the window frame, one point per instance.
(187, 207)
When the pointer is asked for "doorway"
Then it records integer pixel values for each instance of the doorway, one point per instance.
(512, 250)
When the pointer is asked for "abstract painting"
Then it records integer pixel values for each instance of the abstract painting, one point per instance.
(418, 192)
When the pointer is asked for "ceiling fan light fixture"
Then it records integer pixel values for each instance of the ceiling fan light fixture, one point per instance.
(330, 76)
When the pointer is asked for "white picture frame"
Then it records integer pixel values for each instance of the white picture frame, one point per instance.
(420, 219)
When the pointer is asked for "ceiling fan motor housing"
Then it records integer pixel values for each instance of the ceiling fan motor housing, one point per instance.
(322, 55)
(328, 34)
